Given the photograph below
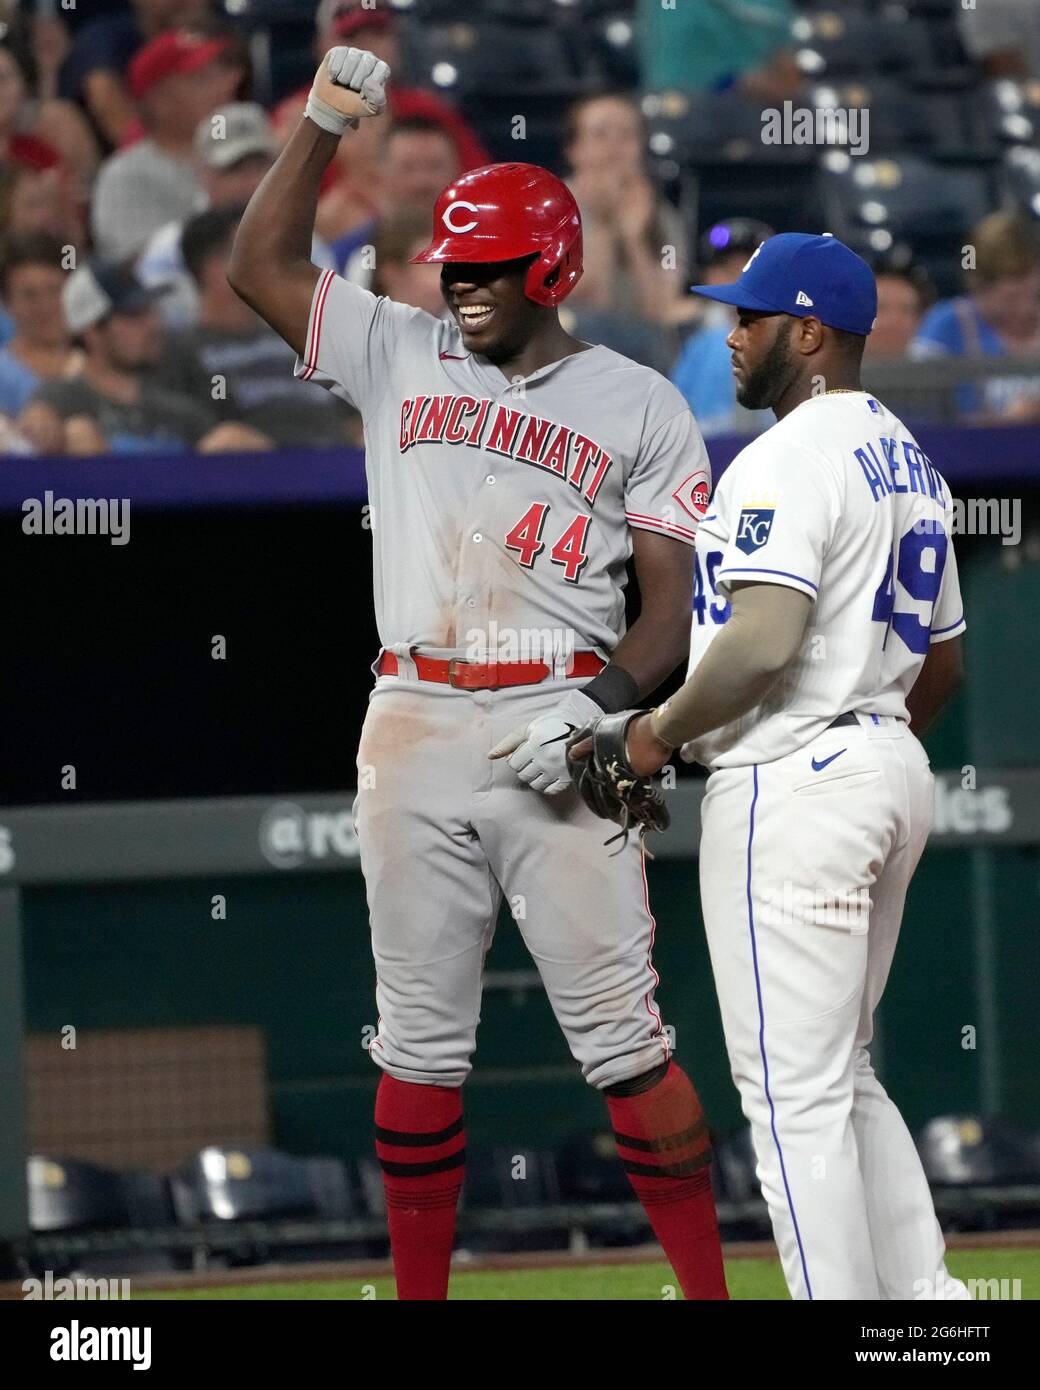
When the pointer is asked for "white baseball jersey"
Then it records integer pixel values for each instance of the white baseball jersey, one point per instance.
(500, 504)
(838, 501)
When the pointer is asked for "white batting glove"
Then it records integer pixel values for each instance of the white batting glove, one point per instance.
(349, 84)
(539, 749)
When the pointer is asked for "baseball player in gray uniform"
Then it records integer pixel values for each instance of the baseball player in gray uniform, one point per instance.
(512, 472)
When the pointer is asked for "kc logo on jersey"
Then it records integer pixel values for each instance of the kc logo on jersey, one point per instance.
(753, 527)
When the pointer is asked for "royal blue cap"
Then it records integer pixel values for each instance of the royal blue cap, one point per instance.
(794, 273)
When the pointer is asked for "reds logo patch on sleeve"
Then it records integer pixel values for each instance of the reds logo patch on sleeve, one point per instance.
(753, 527)
(693, 494)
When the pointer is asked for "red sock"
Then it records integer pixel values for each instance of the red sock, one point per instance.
(663, 1143)
(421, 1148)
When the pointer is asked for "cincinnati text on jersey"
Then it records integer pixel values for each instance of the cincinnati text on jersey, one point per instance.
(482, 424)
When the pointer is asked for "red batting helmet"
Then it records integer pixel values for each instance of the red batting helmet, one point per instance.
(504, 211)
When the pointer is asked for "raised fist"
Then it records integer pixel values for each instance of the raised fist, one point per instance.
(349, 85)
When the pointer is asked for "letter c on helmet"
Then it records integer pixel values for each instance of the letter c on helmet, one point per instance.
(448, 218)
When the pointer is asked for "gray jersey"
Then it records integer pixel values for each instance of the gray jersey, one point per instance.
(501, 506)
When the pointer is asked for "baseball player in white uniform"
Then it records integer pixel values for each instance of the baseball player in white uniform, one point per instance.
(512, 472)
(826, 634)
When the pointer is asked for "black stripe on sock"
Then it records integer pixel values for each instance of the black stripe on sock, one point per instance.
(422, 1170)
(666, 1141)
(420, 1139)
(667, 1170)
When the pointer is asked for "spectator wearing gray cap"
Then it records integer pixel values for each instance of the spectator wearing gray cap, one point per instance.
(115, 404)
(234, 148)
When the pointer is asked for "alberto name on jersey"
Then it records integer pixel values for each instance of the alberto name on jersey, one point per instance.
(838, 501)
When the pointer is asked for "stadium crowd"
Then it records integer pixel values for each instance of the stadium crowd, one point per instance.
(131, 138)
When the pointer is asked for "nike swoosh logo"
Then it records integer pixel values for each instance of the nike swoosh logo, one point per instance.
(819, 766)
(571, 728)
(451, 357)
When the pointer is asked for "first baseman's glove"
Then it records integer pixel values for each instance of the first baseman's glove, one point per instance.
(349, 84)
(609, 785)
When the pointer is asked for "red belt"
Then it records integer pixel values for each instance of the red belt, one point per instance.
(470, 675)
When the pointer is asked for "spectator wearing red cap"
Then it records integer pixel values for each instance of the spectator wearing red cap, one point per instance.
(177, 80)
(95, 71)
(371, 25)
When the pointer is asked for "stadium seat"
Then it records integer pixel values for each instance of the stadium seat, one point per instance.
(495, 1179)
(67, 1195)
(370, 1186)
(1020, 177)
(950, 66)
(899, 117)
(872, 202)
(725, 170)
(608, 51)
(839, 42)
(1006, 113)
(734, 1168)
(716, 127)
(967, 1149)
(224, 1184)
(589, 1171)
(938, 9)
(501, 60)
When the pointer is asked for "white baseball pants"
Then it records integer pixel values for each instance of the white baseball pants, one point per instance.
(444, 834)
(804, 868)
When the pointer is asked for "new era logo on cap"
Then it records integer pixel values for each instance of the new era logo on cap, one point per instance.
(843, 293)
